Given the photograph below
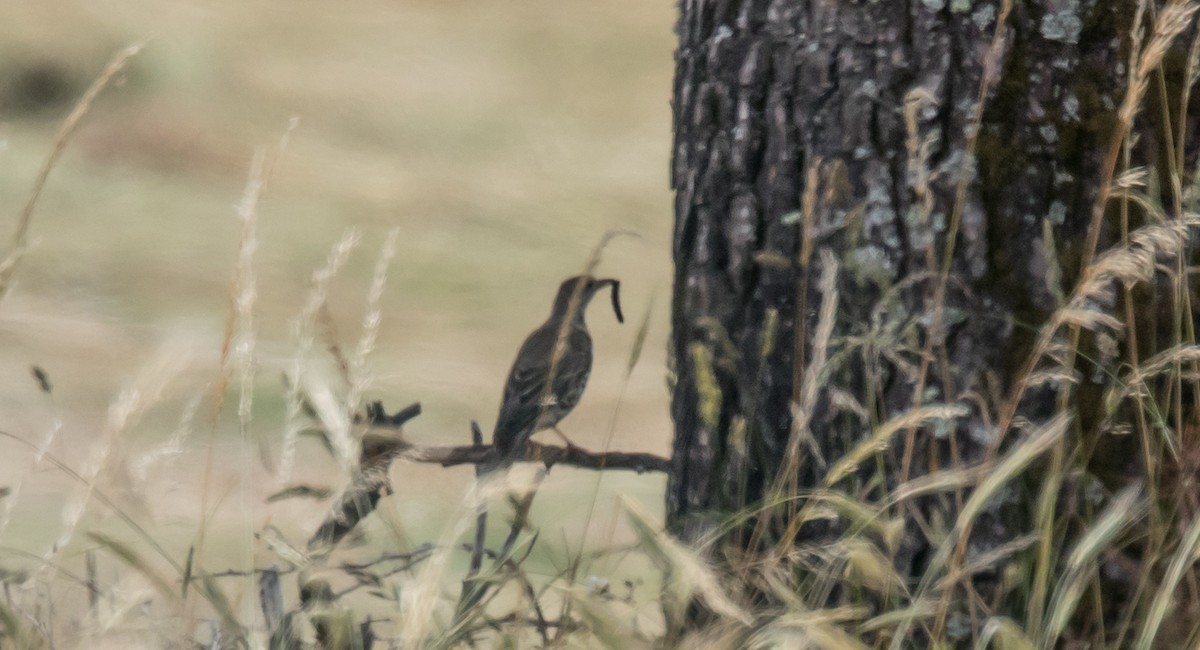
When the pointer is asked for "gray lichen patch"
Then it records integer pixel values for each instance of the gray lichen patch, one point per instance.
(870, 265)
(1058, 213)
(1062, 22)
(984, 16)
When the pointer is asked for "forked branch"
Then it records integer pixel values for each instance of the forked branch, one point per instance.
(384, 444)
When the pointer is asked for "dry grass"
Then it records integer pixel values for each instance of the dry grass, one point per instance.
(134, 243)
(180, 547)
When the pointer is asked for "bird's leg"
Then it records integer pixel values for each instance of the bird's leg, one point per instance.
(570, 445)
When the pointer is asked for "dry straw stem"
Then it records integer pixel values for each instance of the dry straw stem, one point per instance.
(686, 574)
(123, 413)
(808, 214)
(303, 330)
(987, 560)
(1129, 264)
(935, 482)
(1003, 633)
(20, 242)
(859, 517)
(372, 319)
(822, 628)
(1171, 22)
(992, 64)
(1124, 510)
(1135, 382)
(883, 436)
(15, 488)
(246, 339)
(1181, 561)
(866, 566)
(786, 481)
(1013, 463)
(573, 305)
(916, 610)
(240, 335)
(635, 354)
(810, 386)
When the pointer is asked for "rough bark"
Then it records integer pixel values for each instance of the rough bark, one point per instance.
(779, 101)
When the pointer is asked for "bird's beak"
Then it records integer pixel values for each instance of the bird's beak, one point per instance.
(616, 295)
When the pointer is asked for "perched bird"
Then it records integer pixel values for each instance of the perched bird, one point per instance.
(551, 369)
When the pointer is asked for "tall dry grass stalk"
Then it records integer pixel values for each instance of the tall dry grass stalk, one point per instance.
(934, 347)
(845, 592)
(1008, 467)
(20, 241)
(787, 479)
(162, 457)
(245, 342)
(123, 414)
(1132, 263)
(16, 487)
(238, 345)
(304, 333)
(360, 377)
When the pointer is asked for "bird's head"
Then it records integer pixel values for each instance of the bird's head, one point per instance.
(575, 293)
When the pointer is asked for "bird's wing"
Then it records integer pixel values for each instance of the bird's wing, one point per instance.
(525, 388)
(571, 375)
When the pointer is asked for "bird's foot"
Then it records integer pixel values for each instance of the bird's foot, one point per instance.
(570, 445)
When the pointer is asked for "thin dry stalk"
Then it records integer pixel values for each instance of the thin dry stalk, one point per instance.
(808, 214)
(359, 371)
(245, 341)
(946, 557)
(634, 355)
(164, 454)
(14, 494)
(20, 241)
(239, 334)
(686, 573)
(238, 339)
(809, 390)
(573, 305)
(123, 414)
(1160, 605)
(1123, 511)
(883, 435)
(992, 63)
(303, 329)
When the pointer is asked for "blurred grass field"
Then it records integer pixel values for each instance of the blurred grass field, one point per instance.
(501, 139)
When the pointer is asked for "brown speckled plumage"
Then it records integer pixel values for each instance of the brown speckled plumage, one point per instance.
(544, 386)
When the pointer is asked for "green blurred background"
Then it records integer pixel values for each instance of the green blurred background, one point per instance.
(502, 139)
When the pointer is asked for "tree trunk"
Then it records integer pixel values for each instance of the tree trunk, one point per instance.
(844, 143)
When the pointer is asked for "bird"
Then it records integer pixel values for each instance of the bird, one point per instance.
(551, 370)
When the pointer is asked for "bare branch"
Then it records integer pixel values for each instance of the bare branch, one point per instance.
(384, 443)
(548, 455)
